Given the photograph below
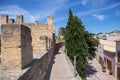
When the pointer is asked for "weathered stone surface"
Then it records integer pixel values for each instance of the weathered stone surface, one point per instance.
(16, 45)
(4, 19)
(42, 36)
(19, 42)
(37, 30)
(38, 69)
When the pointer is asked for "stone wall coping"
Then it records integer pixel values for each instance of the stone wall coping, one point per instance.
(39, 54)
(15, 74)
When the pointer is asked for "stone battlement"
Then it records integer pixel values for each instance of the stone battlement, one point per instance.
(19, 41)
(20, 20)
(37, 30)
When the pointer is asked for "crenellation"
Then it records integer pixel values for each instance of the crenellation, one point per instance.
(4, 19)
(19, 19)
(20, 43)
(50, 20)
(11, 20)
(21, 40)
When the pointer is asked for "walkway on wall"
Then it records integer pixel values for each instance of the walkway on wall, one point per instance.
(61, 69)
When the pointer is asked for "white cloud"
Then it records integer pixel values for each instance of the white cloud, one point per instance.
(98, 2)
(14, 10)
(98, 10)
(99, 17)
(84, 2)
(37, 13)
(50, 8)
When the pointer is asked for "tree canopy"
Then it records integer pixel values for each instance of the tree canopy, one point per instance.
(79, 43)
(75, 42)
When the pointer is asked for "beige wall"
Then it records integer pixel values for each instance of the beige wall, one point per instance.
(21, 40)
(42, 36)
(16, 48)
(4, 19)
(108, 45)
(38, 70)
(113, 36)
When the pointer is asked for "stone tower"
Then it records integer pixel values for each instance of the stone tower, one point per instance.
(50, 20)
(19, 19)
(4, 19)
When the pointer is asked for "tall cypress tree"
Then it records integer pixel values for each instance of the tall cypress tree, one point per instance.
(92, 43)
(68, 33)
(75, 43)
(80, 48)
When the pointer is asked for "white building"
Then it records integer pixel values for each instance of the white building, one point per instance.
(108, 55)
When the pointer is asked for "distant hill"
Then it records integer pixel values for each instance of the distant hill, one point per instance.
(115, 31)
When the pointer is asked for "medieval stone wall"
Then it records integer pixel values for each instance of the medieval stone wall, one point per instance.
(38, 70)
(20, 40)
(42, 36)
(16, 48)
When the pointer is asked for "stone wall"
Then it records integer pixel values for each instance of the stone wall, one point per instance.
(38, 70)
(4, 19)
(42, 36)
(16, 50)
(108, 45)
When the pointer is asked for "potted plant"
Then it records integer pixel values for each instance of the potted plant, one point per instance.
(110, 72)
(104, 69)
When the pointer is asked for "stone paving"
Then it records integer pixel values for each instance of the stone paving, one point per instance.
(94, 72)
(61, 69)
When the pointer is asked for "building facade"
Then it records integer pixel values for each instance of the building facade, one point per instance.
(108, 55)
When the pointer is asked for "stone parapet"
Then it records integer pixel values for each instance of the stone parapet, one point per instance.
(35, 71)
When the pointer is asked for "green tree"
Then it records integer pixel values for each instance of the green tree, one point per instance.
(75, 43)
(68, 33)
(61, 33)
(79, 43)
(92, 43)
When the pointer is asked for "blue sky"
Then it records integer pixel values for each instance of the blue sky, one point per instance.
(96, 15)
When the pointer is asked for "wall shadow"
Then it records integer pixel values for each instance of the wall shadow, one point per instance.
(26, 47)
(56, 52)
(90, 71)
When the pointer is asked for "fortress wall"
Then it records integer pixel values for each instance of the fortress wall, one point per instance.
(39, 39)
(16, 50)
(38, 69)
(38, 30)
(26, 46)
(42, 35)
